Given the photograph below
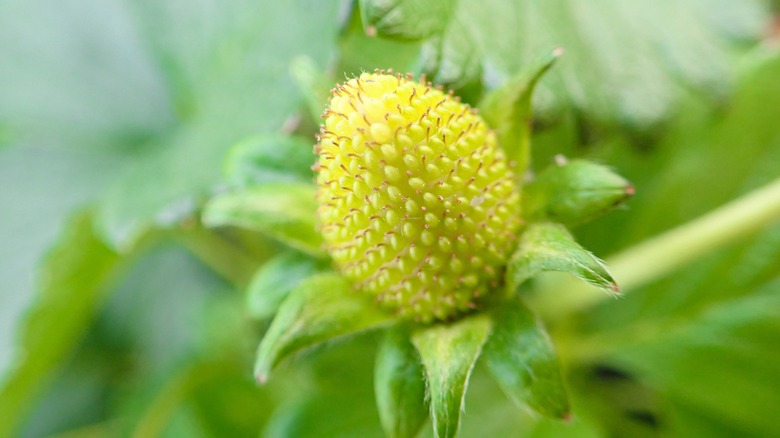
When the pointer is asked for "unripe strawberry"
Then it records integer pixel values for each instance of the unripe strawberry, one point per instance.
(418, 205)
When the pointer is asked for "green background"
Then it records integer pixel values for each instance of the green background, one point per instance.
(120, 315)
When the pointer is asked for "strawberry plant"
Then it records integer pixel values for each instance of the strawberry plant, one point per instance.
(388, 218)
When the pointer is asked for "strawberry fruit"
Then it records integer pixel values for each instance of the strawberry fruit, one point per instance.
(418, 204)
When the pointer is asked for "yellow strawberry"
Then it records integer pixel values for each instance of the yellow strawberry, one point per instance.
(418, 205)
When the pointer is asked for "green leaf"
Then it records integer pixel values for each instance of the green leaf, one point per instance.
(334, 414)
(233, 254)
(399, 383)
(269, 159)
(313, 83)
(406, 19)
(74, 280)
(57, 95)
(720, 365)
(700, 171)
(360, 52)
(275, 280)
(507, 109)
(522, 359)
(224, 72)
(628, 62)
(322, 308)
(458, 70)
(329, 395)
(283, 211)
(449, 352)
(550, 247)
(213, 392)
(574, 192)
(33, 215)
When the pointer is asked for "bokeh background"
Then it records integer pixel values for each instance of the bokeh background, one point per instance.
(121, 315)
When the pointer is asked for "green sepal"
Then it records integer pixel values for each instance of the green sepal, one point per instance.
(263, 159)
(399, 383)
(448, 60)
(575, 192)
(321, 308)
(406, 20)
(507, 109)
(547, 246)
(275, 279)
(281, 211)
(521, 357)
(449, 352)
(313, 83)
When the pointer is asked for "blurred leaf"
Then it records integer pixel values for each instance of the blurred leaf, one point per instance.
(165, 311)
(406, 19)
(275, 280)
(159, 313)
(712, 159)
(399, 383)
(190, 387)
(269, 159)
(616, 400)
(5, 135)
(507, 109)
(313, 83)
(577, 428)
(329, 394)
(549, 247)
(32, 217)
(705, 157)
(228, 83)
(628, 61)
(449, 352)
(574, 192)
(521, 357)
(322, 308)
(78, 80)
(359, 52)
(707, 161)
(722, 364)
(283, 211)
(193, 392)
(74, 279)
(457, 69)
(326, 416)
(231, 254)
(231, 404)
(74, 398)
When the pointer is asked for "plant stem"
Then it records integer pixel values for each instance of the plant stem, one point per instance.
(668, 252)
(227, 259)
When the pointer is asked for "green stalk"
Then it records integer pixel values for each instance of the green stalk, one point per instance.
(668, 252)
(226, 258)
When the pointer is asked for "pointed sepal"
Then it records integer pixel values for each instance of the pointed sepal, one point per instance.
(574, 192)
(399, 383)
(321, 308)
(449, 352)
(507, 109)
(285, 212)
(547, 246)
(521, 357)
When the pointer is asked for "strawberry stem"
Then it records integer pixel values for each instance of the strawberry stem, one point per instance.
(666, 253)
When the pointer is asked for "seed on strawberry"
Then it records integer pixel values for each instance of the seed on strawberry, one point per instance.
(418, 206)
